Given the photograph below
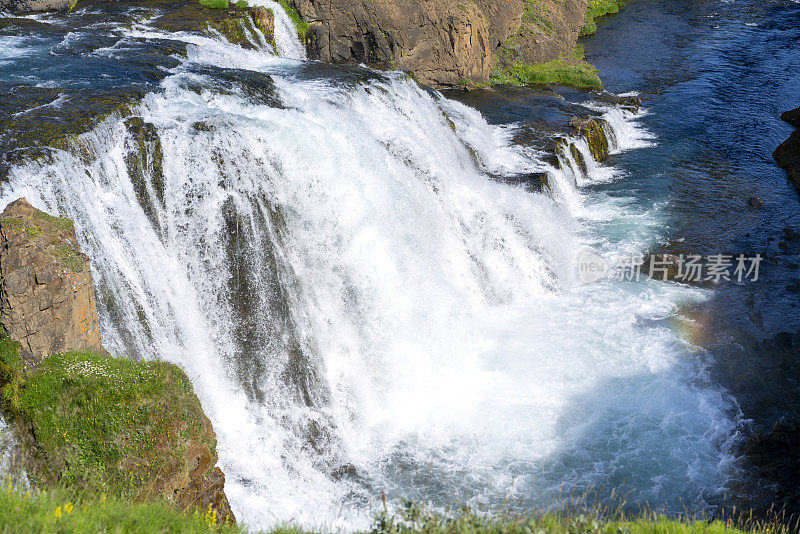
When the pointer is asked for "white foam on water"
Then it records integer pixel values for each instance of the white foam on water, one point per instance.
(289, 46)
(349, 291)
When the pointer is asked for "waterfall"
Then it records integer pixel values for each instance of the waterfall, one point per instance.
(361, 307)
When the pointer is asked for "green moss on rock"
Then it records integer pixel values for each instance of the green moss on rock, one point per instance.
(300, 26)
(215, 4)
(592, 130)
(237, 23)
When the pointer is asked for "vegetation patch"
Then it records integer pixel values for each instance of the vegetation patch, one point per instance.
(60, 223)
(62, 511)
(12, 372)
(106, 425)
(558, 71)
(215, 4)
(299, 25)
(598, 8)
(414, 518)
(536, 15)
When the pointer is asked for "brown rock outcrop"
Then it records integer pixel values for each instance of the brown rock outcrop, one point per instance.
(21, 7)
(444, 42)
(47, 300)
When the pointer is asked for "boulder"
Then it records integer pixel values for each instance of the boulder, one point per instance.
(47, 300)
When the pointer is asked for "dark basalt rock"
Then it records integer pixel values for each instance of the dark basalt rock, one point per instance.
(792, 117)
(787, 155)
(22, 7)
(631, 103)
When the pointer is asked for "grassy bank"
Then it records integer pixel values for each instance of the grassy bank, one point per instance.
(598, 8)
(557, 71)
(58, 511)
(107, 426)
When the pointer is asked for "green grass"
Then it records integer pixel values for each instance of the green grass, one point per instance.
(242, 4)
(215, 4)
(415, 519)
(11, 375)
(598, 8)
(299, 25)
(60, 511)
(104, 424)
(557, 71)
(60, 223)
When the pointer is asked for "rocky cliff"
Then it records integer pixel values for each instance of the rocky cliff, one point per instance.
(444, 42)
(47, 301)
(88, 422)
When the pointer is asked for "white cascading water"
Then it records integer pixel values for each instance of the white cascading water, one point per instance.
(362, 309)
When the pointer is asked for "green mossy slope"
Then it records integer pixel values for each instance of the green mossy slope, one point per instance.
(106, 426)
(598, 8)
(557, 71)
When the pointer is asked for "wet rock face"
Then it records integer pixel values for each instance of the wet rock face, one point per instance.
(20, 7)
(444, 42)
(236, 24)
(592, 130)
(47, 300)
(787, 155)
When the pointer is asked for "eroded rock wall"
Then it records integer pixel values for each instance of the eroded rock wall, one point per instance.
(47, 300)
(444, 42)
